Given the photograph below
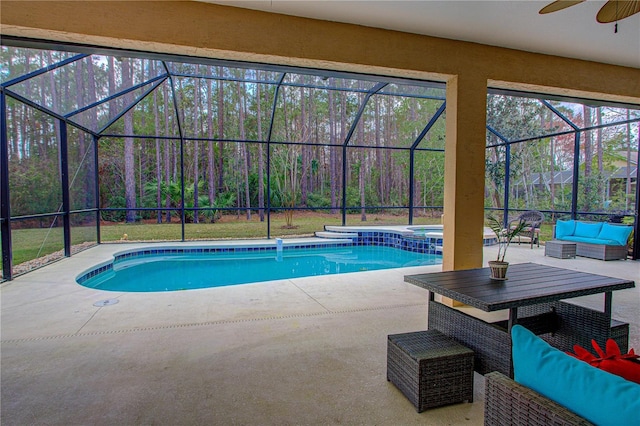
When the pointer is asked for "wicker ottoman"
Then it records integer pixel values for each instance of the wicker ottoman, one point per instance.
(430, 368)
(560, 249)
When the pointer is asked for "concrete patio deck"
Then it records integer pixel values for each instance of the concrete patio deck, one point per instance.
(300, 351)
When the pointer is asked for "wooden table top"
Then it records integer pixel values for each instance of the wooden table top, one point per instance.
(528, 284)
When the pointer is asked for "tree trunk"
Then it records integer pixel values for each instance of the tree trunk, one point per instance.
(93, 124)
(129, 160)
(361, 178)
(167, 154)
(210, 151)
(588, 159)
(260, 152)
(55, 102)
(333, 175)
(245, 147)
(111, 78)
(304, 137)
(600, 154)
(378, 151)
(220, 131)
(156, 122)
(84, 180)
(627, 191)
(196, 147)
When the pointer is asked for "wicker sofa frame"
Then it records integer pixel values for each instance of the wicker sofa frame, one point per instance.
(601, 251)
(510, 403)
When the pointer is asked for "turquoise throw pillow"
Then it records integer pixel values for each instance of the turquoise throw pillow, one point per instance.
(600, 397)
(617, 233)
(589, 230)
(565, 228)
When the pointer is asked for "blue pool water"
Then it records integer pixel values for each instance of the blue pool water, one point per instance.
(202, 270)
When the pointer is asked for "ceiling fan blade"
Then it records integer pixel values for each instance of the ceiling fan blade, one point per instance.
(615, 10)
(559, 5)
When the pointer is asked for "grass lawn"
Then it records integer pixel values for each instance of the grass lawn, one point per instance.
(35, 243)
(29, 244)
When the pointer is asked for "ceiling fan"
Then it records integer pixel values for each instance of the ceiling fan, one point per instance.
(612, 11)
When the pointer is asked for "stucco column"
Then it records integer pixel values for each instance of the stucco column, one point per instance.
(464, 171)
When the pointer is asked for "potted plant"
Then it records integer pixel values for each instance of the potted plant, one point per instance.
(504, 235)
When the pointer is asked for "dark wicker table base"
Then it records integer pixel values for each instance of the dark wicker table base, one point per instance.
(430, 369)
(571, 325)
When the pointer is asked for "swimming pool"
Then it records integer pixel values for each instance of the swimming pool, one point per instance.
(184, 269)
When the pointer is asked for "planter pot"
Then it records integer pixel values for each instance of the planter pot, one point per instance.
(498, 270)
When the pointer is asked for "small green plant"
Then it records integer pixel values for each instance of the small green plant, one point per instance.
(629, 220)
(504, 235)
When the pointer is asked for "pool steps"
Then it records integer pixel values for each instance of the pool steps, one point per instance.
(331, 234)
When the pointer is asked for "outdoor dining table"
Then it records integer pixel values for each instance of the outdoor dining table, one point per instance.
(534, 297)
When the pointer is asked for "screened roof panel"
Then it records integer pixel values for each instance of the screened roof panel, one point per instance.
(435, 137)
(314, 106)
(304, 114)
(329, 83)
(198, 100)
(223, 72)
(414, 90)
(614, 115)
(394, 121)
(86, 82)
(96, 118)
(515, 118)
(18, 61)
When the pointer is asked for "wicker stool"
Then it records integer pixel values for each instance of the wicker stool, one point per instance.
(430, 368)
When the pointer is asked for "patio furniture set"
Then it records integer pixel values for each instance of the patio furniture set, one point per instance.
(435, 367)
(596, 240)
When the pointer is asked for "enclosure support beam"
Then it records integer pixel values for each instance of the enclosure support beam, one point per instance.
(64, 181)
(5, 208)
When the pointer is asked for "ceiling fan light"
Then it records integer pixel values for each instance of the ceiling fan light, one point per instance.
(558, 5)
(615, 10)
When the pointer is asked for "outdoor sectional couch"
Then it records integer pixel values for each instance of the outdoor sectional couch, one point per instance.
(552, 388)
(598, 240)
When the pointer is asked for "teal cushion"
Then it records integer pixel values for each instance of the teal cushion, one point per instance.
(565, 228)
(597, 241)
(596, 395)
(588, 230)
(618, 233)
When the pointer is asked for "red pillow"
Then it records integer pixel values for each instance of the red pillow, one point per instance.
(626, 366)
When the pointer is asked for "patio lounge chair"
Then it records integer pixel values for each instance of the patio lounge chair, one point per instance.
(533, 220)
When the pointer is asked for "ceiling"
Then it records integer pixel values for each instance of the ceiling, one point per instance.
(572, 32)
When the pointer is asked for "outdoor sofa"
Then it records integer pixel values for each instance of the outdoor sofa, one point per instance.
(597, 240)
(553, 388)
